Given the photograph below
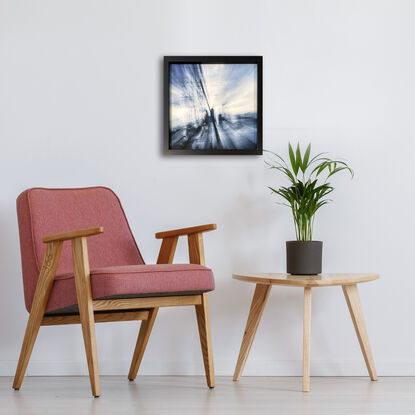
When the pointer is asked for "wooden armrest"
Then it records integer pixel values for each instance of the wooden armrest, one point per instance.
(186, 231)
(73, 234)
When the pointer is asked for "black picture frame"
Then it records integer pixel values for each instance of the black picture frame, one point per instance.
(168, 60)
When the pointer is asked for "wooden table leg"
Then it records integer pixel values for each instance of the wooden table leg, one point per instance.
(351, 294)
(306, 339)
(257, 307)
(203, 323)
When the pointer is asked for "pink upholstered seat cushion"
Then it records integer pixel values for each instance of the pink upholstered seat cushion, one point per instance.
(134, 281)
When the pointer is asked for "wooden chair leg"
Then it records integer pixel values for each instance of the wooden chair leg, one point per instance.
(86, 310)
(142, 340)
(166, 255)
(351, 294)
(203, 323)
(306, 339)
(257, 307)
(40, 300)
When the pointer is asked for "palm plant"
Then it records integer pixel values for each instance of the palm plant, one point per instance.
(308, 187)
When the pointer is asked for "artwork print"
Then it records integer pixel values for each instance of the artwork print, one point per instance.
(213, 107)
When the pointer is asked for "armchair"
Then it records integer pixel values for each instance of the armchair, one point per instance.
(111, 282)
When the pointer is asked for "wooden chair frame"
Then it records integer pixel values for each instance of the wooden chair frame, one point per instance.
(97, 311)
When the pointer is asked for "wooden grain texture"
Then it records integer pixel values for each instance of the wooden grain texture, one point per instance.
(186, 231)
(257, 307)
(40, 300)
(203, 323)
(86, 310)
(196, 248)
(348, 283)
(145, 302)
(53, 320)
(319, 280)
(142, 340)
(167, 250)
(306, 339)
(166, 256)
(351, 295)
(197, 256)
(73, 234)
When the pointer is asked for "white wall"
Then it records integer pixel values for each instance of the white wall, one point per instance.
(81, 104)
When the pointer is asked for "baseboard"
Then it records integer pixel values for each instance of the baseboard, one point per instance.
(222, 368)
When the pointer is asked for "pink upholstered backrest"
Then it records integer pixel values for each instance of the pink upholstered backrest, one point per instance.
(44, 212)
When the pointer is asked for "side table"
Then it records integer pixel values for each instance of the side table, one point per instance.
(264, 282)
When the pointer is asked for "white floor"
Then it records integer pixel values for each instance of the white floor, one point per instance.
(189, 395)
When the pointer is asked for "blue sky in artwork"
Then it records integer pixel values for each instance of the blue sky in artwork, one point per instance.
(229, 88)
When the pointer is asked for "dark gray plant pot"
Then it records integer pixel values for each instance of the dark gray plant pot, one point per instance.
(304, 258)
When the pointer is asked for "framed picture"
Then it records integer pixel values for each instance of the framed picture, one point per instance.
(213, 104)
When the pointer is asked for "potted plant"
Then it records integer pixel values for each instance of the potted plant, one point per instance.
(305, 195)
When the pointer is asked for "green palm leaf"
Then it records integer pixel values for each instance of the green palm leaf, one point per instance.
(305, 197)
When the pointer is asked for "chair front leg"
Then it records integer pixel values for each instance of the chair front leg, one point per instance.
(40, 301)
(86, 309)
(203, 323)
(197, 256)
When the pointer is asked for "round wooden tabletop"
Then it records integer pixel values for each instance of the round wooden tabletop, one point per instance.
(319, 280)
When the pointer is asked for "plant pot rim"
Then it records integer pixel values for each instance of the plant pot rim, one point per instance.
(304, 242)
